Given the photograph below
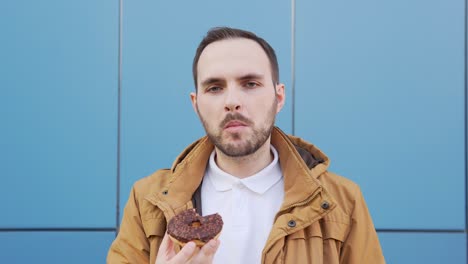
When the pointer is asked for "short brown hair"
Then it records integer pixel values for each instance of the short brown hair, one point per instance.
(221, 33)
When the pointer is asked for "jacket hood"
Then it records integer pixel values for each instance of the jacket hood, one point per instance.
(310, 154)
(301, 164)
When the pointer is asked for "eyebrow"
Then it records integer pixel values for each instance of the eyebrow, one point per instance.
(210, 81)
(251, 76)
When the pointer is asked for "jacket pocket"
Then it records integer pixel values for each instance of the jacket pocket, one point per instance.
(324, 229)
(328, 229)
(318, 243)
(154, 227)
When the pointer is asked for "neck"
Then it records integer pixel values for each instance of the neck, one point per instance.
(245, 166)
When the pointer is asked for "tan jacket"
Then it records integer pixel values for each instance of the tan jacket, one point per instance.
(323, 218)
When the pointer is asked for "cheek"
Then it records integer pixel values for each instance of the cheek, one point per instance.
(208, 103)
(208, 112)
(264, 105)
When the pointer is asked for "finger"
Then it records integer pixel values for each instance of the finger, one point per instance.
(185, 253)
(170, 252)
(207, 252)
(166, 249)
(162, 247)
(197, 249)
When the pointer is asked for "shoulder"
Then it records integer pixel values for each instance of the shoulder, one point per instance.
(152, 183)
(145, 191)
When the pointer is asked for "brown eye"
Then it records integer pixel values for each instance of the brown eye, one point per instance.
(251, 85)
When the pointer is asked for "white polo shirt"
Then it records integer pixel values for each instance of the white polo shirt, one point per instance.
(248, 207)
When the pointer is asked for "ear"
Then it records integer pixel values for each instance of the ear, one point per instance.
(193, 98)
(280, 96)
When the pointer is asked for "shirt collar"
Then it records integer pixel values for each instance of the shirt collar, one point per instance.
(221, 180)
(258, 183)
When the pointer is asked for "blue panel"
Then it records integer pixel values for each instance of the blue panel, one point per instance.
(58, 112)
(55, 247)
(160, 39)
(380, 88)
(427, 248)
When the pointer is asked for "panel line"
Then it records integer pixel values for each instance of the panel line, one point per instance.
(293, 64)
(109, 229)
(60, 229)
(466, 118)
(392, 230)
(119, 116)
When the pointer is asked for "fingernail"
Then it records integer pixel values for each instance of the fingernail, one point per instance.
(213, 243)
(190, 245)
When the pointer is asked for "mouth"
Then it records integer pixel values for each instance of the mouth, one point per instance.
(234, 124)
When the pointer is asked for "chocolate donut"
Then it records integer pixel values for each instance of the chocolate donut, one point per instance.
(189, 226)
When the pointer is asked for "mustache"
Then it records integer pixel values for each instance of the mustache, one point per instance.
(235, 117)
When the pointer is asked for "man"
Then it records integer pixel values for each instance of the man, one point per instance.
(278, 201)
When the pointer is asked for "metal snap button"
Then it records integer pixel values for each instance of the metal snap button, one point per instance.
(325, 205)
(292, 223)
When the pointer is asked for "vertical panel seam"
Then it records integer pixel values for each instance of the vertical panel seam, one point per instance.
(466, 125)
(293, 64)
(119, 104)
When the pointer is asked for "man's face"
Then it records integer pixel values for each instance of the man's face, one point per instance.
(236, 99)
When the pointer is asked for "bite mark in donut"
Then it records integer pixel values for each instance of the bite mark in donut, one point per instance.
(189, 226)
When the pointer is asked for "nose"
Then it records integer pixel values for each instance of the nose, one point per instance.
(233, 101)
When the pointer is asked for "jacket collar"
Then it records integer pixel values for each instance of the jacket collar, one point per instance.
(300, 182)
(300, 178)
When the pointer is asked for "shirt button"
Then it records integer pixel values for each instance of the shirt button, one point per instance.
(325, 205)
(292, 223)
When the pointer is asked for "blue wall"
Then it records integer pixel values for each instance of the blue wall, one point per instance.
(379, 86)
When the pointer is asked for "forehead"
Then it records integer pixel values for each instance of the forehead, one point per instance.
(233, 58)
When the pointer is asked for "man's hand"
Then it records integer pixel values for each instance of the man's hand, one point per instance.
(190, 253)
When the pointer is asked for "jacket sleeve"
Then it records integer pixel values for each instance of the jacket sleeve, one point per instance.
(362, 244)
(131, 244)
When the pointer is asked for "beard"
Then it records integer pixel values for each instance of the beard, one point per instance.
(258, 137)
